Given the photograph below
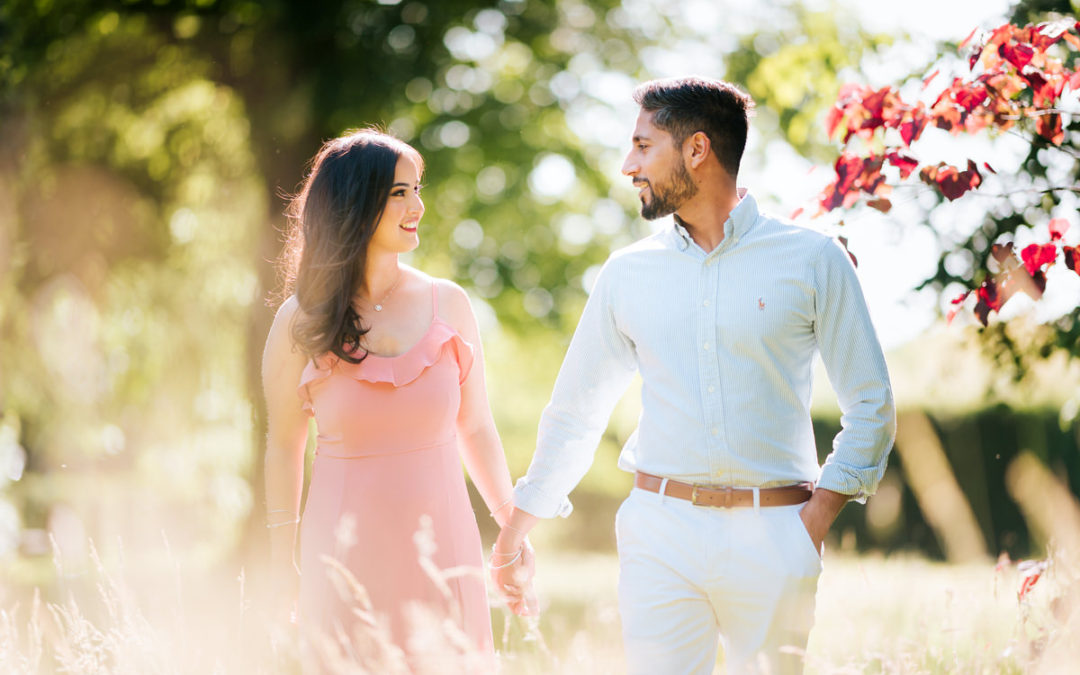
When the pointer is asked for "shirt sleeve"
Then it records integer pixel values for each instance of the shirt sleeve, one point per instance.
(595, 373)
(856, 367)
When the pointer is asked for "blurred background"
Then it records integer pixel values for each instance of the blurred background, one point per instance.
(147, 148)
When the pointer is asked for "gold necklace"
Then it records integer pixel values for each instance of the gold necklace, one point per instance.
(378, 306)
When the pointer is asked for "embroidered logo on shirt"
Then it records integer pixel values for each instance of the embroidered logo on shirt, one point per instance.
(761, 304)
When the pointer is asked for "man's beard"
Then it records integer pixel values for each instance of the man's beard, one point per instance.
(667, 198)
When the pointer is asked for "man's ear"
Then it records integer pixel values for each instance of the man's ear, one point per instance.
(696, 149)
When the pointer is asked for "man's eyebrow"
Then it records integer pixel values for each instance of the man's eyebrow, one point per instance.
(639, 138)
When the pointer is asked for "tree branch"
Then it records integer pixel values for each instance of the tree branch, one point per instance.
(1063, 148)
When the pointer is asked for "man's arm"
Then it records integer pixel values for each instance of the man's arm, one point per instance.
(598, 367)
(856, 366)
(596, 371)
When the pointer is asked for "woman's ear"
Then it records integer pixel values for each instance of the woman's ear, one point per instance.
(696, 149)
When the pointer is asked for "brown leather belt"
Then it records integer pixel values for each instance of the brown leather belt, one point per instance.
(726, 497)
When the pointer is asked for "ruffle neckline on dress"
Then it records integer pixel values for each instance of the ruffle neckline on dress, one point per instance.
(397, 370)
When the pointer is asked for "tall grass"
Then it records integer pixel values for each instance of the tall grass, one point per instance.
(874, 615)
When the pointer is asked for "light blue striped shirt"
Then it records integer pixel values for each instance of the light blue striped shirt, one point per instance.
(724, 342)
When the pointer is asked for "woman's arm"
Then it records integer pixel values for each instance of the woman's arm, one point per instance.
(485, 460)
(481, 448)
(286, 437)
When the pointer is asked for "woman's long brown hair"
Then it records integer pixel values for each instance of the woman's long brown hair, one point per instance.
(332, 220)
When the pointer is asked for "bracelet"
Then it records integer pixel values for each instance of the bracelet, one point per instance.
(287, 522)
(500, 507)
(517, 556)
(511, 527)
(494, 552)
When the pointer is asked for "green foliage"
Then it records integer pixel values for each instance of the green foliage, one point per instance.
(795, 69)
(136, 208)
(168, 130)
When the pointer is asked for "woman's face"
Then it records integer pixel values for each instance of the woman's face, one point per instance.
(397, 229)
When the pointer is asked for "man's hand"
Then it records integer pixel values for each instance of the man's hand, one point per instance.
(819, 513)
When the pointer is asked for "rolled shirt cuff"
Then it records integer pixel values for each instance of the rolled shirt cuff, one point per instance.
(858, 484)
(531, 499)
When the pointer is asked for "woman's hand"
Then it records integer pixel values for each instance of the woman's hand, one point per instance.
(512, 572)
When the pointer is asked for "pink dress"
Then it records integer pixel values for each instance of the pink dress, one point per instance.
(387, 489)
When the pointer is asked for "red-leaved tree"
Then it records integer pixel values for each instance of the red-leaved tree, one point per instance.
(1018, 80)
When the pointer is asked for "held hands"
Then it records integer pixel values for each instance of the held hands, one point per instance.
(512, 569)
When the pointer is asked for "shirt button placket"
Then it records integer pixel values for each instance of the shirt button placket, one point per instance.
(709, 360)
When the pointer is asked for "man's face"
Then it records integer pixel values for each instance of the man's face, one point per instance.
(657, 167)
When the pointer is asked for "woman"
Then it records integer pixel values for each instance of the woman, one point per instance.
(382, 355)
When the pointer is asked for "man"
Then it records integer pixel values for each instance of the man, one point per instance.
(721, 313)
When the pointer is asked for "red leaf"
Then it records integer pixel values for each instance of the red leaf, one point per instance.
(974, 58)
(847, 166)
(1019, 55)
(910, 130)
(796, 213)
(989, 168)
(854, 260)
(950, 181)
(1049, 127)
(881, 204)
(988, 300)
(929, 78)
(1049, 32)
(903, 162)
(969, 99)
(1039, 278)
(1058, 228)
(1045, 87)
(1026, 584)
(1072, 257)
(832, 120)
(1074, 80)
(990, 293)
(956, 302)
(1030, 573)
(1037, 255)
(1002, 253)
(831, 198)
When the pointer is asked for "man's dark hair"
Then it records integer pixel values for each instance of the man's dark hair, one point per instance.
(683, 106)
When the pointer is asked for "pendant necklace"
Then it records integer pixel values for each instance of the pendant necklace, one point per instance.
(379, 305)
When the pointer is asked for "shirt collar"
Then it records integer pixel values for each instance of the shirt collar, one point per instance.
(742, 217)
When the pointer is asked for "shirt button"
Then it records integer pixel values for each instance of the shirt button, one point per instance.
(706, 303)
(711, 389)
(715, 431)
(706, 346)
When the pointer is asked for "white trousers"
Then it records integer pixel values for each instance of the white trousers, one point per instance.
(692, 576)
